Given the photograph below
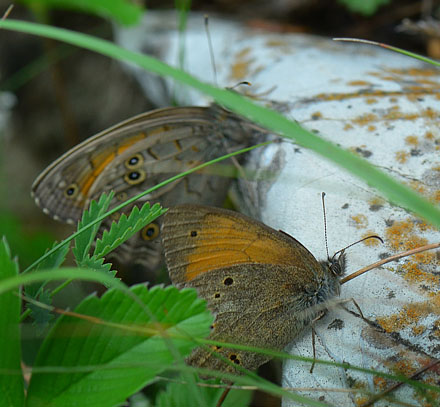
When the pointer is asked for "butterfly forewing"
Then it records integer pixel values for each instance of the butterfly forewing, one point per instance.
(198, 239)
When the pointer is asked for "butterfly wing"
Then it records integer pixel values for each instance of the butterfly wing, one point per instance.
(128, 158)
(261, 305)
(258, 282)
(198, 239)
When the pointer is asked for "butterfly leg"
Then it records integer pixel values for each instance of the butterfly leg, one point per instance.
(321, 314)
(357, 307)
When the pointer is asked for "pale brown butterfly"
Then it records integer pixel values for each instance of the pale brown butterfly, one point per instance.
(263, 286)
(137, 154)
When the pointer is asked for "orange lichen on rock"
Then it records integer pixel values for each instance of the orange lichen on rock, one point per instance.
(380, 383)
(316, 115)
(398, 234)
(429, 135)
(412, 140)
(405, 366)
(366, 119)
(415, 274)
(240, 68)
(418, 330)
(413, 72)
(370, 101)
(360, 401)
(418, 186)
(436, 328)
(401, 156)
(409, 315)
(359, 83)
(436, 196)
(360, 221)
(376, 201)
(402, 236)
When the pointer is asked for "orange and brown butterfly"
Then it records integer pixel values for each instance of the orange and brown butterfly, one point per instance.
(262, 285)
(137, 154)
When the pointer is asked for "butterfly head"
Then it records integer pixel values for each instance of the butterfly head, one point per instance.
(337, 264)
(334, 268)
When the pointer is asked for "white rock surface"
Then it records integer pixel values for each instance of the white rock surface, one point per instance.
(380, 105)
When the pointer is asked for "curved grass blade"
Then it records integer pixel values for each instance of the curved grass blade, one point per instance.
(394, 191)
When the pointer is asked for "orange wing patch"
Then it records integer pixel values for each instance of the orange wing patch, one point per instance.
(225, 242)
(101, 160)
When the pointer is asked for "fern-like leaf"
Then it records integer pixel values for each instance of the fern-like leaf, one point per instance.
(97, 264)
(126, 227)
(41, 316)
(37, 292)
(84, 241)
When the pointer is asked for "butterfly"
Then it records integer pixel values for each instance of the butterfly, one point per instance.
(262, 285)
(137, 154)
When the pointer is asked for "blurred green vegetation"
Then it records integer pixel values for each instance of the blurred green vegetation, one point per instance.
(125, 12)
(26, 244)
(364, 7)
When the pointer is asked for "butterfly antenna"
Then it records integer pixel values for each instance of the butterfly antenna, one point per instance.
(325, 223)
(359, 241)
(247, 83)
(211, 49)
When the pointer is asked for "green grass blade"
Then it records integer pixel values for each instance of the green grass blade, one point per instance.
(67, 273)
(391, 48)
(391, 189)
(179, 394)
(11, 380)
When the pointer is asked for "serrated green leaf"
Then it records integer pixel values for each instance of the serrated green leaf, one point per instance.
(84, 241)
(96, 264)
(127, 227)
(122, 11)
(11, 382)
(104, 363)
(41, 316)
(180, 394)
(37, 292)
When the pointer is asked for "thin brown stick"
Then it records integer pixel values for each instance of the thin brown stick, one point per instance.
(389, 259)
(314, 350)
(397, 385)
(7, 12)
(148, 329)
(223, 396)
(380, 44)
